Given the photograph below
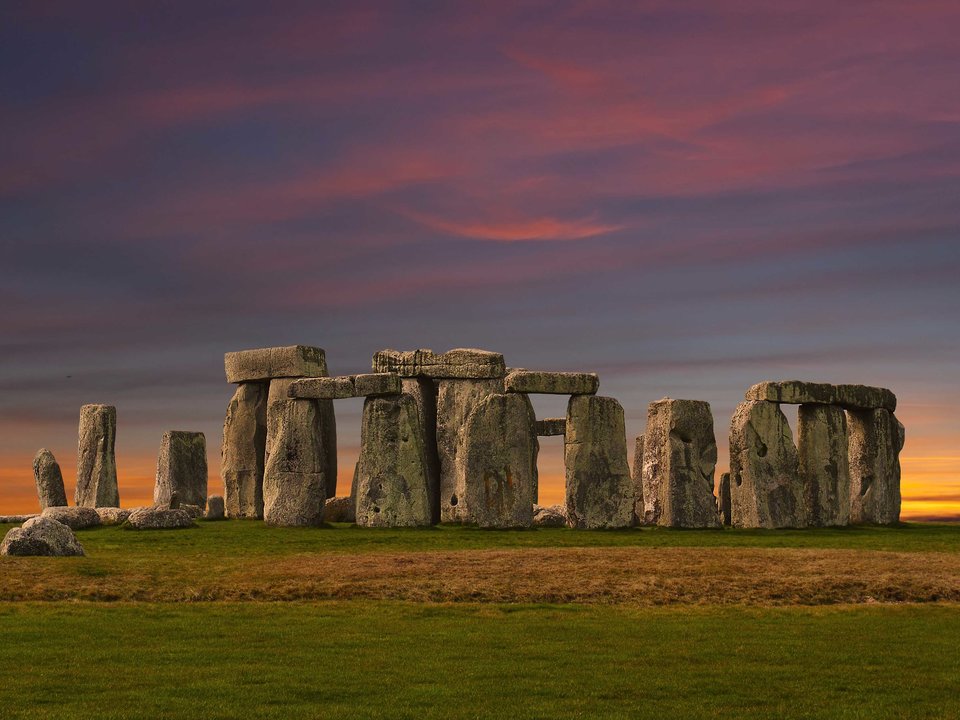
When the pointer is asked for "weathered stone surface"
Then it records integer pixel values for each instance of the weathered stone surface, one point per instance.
(875, 445)
(375, 384)
(391, 488)
(551, 427)
(552, 383)
(340, 509)
(723, 499)
(113, 516)
(549, 516)
(496, 474)
(325, 388)
(182, 468)
(4, 519)
(822, 446)
(456, 399)
(215, 508)
(639, 497)
(797, 392)
(424, 393)
(243, 451)
(265, 364)
(75, 518)
(41, 536)
(765, 487)
(160, 518)
(599, 491)
(679, 458)
(294, 480)
(460, 363)
(96, 458)
(49, 479)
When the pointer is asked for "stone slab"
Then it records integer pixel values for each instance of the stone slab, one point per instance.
(49, 480)
(96, 457)
(265, 364)
(243, 451)
(347, 386)
(462, 363)
(823, 451)
(723, 499)
(552, 383)
(424, 393)
(182, 468)
(875, 444)
(798, 392)
(551, 427)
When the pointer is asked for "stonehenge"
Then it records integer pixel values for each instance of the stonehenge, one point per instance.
(49, 480)
(96, 458)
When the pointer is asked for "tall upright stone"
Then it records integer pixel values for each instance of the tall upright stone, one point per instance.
(391, 478)
(680, 456)
(875, 444)
(823, 449)
(243, 451)
(182, 468)
(636, 475)
(723, 499)
(496, 467)
(599, 491)
(96, 457)
(765, 487)
(424, 392)
(49, 479)
(294, 479)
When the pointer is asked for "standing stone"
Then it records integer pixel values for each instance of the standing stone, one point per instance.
(294, 479)
(496, 468)
(599, 491)
(875, 444)
(391, 485)
(680, 456)
(182, 468)
(424, 392)
(49, 479)
(639, 498)
(243, 451)
(96, 458)
(723, 499)
(824, 464)
(456, 399)
(765, 487)
(215, 508)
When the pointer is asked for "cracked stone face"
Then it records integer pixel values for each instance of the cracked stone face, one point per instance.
(824, 464)
(874, 466)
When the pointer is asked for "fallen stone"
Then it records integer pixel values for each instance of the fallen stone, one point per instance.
(765, 487)
(267, 364)
(552, 383)
(294, 480)
(679, 458)
(326, 388)
(113, 516)
(4, 519)
(194, 511)
(159, 518)
(461, 363)
(723, 499)
(41, 536)
(49, 479)
(640, 510)
(340, 509)
(797, 392)
(182, 468)
(549, 516)
(243, 451)
(823, 449)
(456, 399)
(551, 427)
(75, 518)
(424, 393)
(496, 474)
(96, 458)
(215, 508)
(599, 491)
(875, 444)
(391, 486)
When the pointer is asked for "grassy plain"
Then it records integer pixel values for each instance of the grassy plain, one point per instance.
(236, 619)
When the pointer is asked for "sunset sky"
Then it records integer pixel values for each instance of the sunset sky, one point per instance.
(685, 197)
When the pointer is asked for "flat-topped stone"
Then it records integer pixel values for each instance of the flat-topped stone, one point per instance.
(347, 386)
(552, 383)
(551, 427)
(797, 392)
(266, 364)
(17, 518)
(460, 363)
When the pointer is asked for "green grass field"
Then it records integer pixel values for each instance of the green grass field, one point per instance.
(666, 624)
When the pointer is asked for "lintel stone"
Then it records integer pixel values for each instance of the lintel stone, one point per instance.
(550, 427)
(266, 364)
(850, 397)
(346, 386)
(552, 383)
(460, 363)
